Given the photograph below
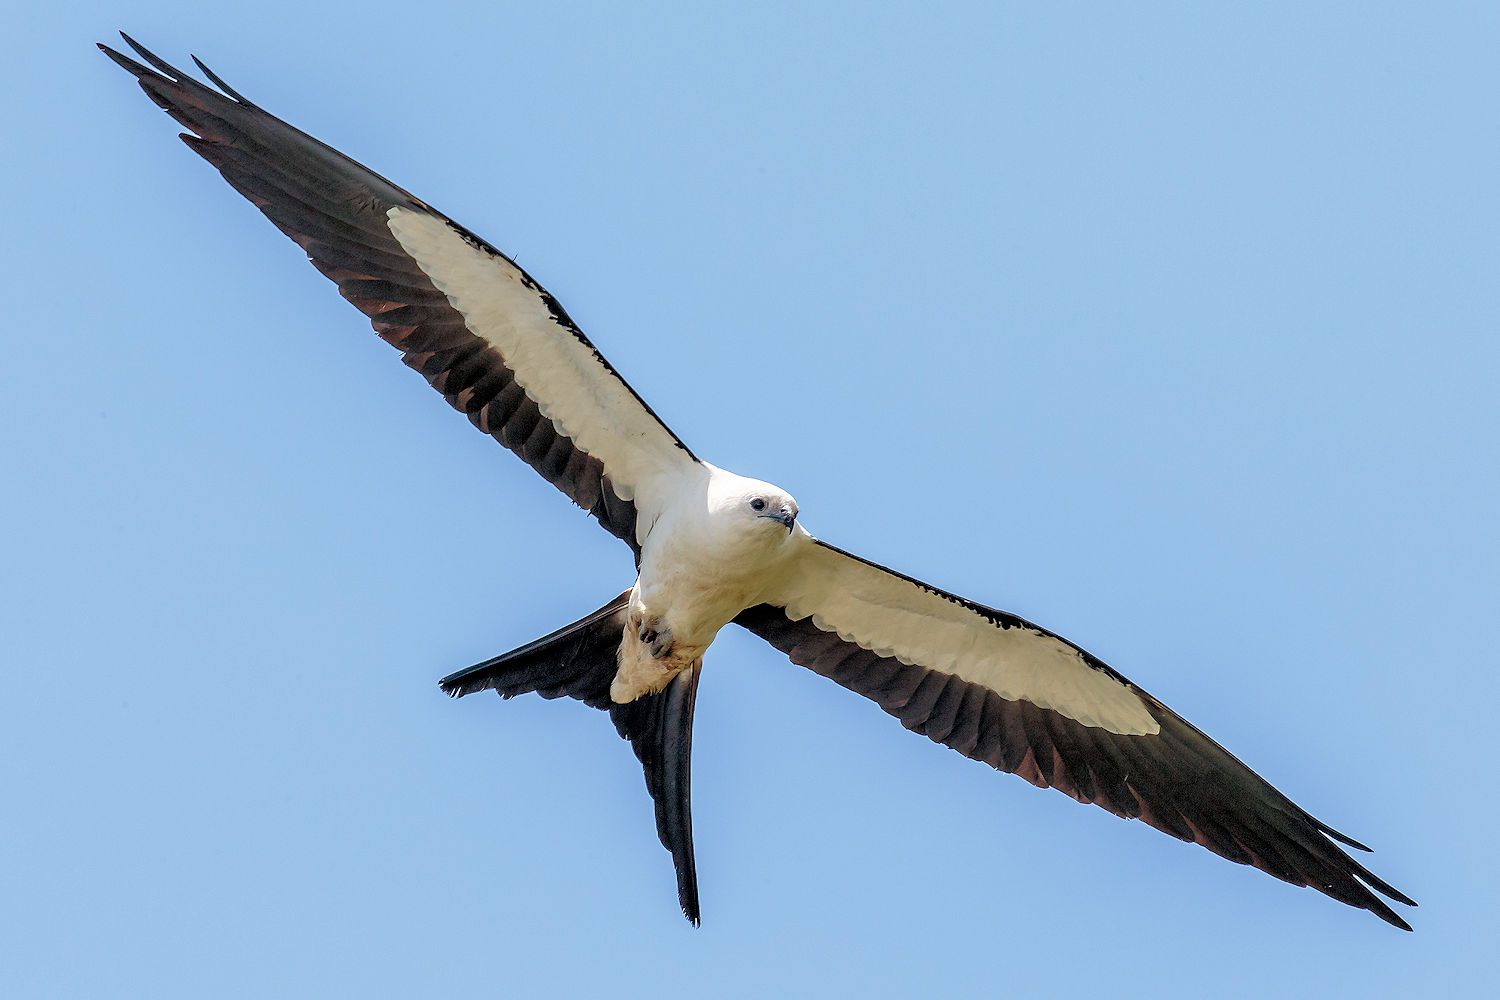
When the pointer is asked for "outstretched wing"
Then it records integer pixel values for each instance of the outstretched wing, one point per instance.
(999, 689)
(497, 346)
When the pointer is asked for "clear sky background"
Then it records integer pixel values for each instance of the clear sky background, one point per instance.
(1171, 327)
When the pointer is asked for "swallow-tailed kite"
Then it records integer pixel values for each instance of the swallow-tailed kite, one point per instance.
(713, 548)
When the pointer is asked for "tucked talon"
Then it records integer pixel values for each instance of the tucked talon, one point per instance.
(660, 643)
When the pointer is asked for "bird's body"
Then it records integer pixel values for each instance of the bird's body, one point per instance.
(713, 548)
(709, 555)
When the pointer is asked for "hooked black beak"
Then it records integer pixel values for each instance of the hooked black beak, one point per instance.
(786, 517)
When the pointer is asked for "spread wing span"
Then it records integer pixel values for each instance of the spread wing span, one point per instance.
(999, 689)
(484, 333)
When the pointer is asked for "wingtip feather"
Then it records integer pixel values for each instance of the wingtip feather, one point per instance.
(154, 60)
(1342, 838)
(126, 63)
(218, 81)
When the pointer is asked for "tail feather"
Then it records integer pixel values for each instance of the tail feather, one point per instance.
(660, 728)
(579, 661)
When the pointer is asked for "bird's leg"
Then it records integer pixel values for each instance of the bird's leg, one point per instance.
(654, 635)
(646, 662)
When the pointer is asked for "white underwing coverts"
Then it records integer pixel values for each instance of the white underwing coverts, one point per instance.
(504, 352)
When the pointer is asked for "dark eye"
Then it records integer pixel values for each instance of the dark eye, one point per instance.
(759, 503)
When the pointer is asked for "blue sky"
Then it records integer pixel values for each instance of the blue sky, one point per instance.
(1172, 329)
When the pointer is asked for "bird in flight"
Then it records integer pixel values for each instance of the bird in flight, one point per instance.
(713, 548)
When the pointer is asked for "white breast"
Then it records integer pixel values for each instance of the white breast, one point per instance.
(705, 561)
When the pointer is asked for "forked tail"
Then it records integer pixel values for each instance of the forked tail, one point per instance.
(579, 661)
